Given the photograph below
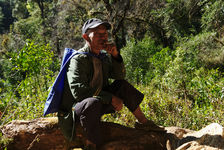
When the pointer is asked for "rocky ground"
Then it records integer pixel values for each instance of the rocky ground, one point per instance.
(44, 134)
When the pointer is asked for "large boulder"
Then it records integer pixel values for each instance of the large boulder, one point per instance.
(209, 138)
(44, 134)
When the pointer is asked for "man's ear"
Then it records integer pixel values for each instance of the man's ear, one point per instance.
(86, 37)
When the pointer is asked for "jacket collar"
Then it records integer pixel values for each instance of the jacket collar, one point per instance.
(101, 55)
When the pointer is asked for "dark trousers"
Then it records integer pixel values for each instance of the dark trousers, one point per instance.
(89, 111)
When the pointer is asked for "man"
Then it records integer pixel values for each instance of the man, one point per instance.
(88, 95)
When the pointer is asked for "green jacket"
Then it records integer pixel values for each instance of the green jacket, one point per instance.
(77, 85)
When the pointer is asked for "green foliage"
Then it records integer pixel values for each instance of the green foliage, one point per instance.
(160, 61)
(176, 19)
(169, 110)
(213, 16)
(34, 62)
(206, 87)
(20, 11)
(137, 59)
(28, 28)
(4, 141)
(7, 20)
(1, 18)
(189, 58)
(145, 60)
(32, 59)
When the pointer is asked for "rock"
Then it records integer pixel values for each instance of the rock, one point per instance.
(195, 146)
(209, 138)
(44, 134)
(40, 133)
(179, 132)
(212, 129)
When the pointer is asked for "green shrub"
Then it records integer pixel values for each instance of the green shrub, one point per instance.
(213, 16)
(137, 59)
(33, 63)
(207, 87)
(160, 61)
(29, 28)
(189, 61)
(4, 141)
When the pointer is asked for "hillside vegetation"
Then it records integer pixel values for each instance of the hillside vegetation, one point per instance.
(173, 51)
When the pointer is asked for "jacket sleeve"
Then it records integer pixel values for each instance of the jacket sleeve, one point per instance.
(78, 75)
(118, 69)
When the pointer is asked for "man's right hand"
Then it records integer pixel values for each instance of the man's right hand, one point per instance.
(117, 103)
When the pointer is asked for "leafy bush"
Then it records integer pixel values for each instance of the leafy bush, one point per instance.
(176, 19)
(170, 110)
(190, 57)
(207, 87)
(137, 59)
(28, 28)
(213, 16)
(32, 67)
(1, 18)
(160, 61)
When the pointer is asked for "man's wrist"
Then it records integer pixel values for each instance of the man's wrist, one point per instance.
(118, 58)
(115, 54)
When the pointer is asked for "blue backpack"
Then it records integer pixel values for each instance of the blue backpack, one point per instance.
(55, 95)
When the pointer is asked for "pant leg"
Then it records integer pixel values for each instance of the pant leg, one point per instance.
(130, 95)
(88, 113)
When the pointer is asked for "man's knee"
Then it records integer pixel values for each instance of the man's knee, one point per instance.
(89, 105)
(93, 103)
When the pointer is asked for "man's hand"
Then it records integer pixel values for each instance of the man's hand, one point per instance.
(117, 103)
(112, 49)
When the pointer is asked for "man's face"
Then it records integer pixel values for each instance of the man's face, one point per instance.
(98, 38)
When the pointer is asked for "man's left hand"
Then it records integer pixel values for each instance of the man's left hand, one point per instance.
(112, 49)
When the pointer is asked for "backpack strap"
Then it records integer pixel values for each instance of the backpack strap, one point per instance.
(54, 97)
